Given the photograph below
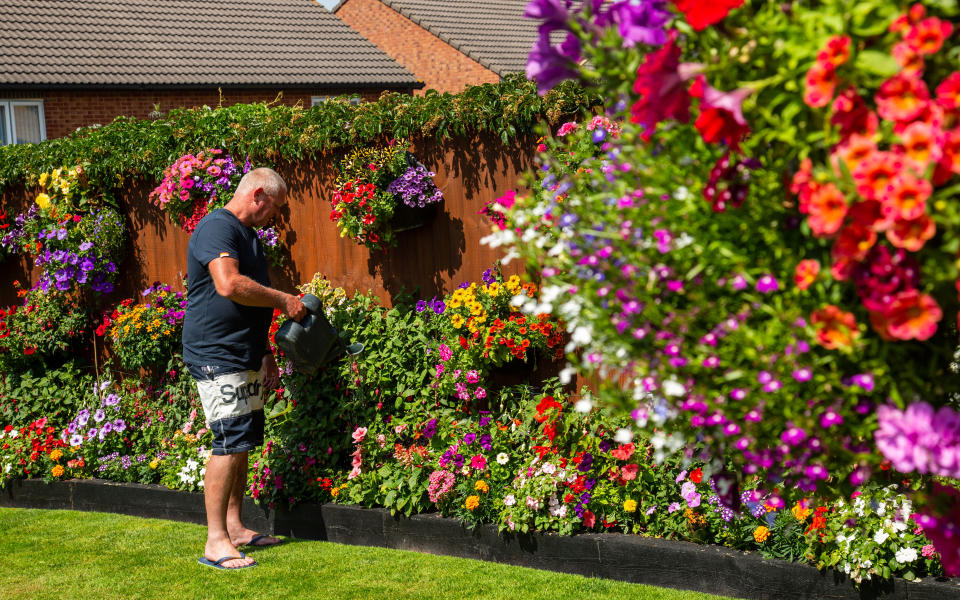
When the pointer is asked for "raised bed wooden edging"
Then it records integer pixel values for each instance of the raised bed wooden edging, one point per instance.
(635, 559)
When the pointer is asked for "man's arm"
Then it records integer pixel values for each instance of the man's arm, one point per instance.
(226, 276)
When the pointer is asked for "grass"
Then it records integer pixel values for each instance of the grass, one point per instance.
(76, 555)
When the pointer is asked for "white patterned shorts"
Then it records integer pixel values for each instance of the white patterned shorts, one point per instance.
(233, 407)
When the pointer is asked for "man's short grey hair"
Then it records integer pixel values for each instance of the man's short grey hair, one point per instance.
(264, 177)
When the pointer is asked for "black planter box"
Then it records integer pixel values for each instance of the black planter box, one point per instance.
(631, 558)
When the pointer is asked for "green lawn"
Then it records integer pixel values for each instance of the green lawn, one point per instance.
(75, 555)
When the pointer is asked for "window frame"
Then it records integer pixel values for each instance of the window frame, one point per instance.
(10, 122)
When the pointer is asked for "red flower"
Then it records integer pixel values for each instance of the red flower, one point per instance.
(851, 115)
(902, 98)
(721, 117)
(927, 36)
(912, 315)
(820, 83)
(835, 328)
(696, 475)
(836, 51)
(30, 350)
(702, 14)
(589, 519)
(659, 83)
(948, 92)
(624, 452)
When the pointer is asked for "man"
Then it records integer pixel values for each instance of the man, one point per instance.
(225, 347)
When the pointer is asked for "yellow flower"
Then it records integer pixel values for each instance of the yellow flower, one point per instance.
(154, 463)
(335, 492)
(472, 502)
(56, 454)
(57, 471)
(457, 321)
(454, 303)
(761, 534)
(43, 179)
(630, 505)
(493, 289)
(800, 512)
(43, 201)
(481, 486)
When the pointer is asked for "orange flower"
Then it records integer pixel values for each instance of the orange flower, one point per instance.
(873, 174)
(910, 61)
(854, 150)
(836, 52)
(951, 151)
(821, 83)
(922, 143)
(912, 315)
(912, 17)
(827, 208)
(806, 273)
(906, 197)
(835, 328)
(854, 241)
(902, 98)
(948, 92)
(927, 36)
(911, 234)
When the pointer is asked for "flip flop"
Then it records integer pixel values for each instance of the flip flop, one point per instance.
(253, 542)
(203, 560)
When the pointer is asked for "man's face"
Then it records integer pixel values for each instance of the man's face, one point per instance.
(268, 206)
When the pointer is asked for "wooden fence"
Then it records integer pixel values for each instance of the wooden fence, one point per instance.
(431, 260)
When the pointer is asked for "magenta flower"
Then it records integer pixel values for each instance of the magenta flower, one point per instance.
(830, 418)
(767, 284)
(864, 381)
(738, 393)
(711, 362)
(920, 438)
(803, 374)
(793, 436)
(478, 462)
(738, 283)
(772, 386)
(660, 85)
(815, 472)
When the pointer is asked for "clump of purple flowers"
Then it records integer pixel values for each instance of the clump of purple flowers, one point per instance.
(920, 438)
(416, 187)
(268, 237)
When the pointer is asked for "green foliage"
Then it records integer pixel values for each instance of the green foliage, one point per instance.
(57, 393)
(41, 331)
(137, 148)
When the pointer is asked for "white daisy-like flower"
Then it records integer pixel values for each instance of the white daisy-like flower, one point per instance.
(906, 555)
(880, 536)
(503, 458)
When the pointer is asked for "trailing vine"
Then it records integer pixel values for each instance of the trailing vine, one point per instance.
(131, 148)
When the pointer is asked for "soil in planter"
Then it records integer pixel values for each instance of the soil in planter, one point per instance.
(406, 218)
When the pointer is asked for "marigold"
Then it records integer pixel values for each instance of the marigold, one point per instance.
(806, 273)
(911, 234)
(56, 454)
(57, 471)
(912, 315)
(902, 98)
(760, 534)
(835, 328)
(472, 502)
(800, 511)
(481, 486)
(630, 505)
(826, 208)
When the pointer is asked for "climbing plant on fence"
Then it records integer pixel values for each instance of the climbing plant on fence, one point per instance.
(130, 147)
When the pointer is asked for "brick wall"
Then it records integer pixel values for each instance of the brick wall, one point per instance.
(430, 59)
(66, 110)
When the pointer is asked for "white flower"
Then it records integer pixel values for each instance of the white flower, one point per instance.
(899, 526)
(673, 388)
(548, 468)
(581, 336)
(503, 458)
(558, 511)
(13, 433)
(191, 464)
(880, 536)
(509, 500)
(583, 405)
(566, 375)
(906, 555)
(623, 436)
(681, 193)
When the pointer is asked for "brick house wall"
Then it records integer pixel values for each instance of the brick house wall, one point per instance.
(66, 110)
(439, 65)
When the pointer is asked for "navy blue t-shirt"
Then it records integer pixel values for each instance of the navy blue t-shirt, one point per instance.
(216, 330)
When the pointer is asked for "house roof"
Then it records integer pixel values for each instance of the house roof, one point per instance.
(187, 43)
(491, 32)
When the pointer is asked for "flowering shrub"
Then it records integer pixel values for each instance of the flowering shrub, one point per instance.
(75, 241)
(44, 326)
(32, 450)
(196, 184)
(368, 187)
(148, 333)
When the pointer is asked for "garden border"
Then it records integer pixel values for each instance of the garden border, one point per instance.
(630, 558)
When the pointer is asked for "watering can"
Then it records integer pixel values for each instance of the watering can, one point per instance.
(312, 342)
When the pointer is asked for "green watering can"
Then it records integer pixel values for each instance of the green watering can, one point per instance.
(312, 342)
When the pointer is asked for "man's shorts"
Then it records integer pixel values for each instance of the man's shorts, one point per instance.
(233, 407)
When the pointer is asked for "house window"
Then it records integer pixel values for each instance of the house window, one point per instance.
(21, 122)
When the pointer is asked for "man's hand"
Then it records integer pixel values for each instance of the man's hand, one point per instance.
(293, 307)
(271, 374)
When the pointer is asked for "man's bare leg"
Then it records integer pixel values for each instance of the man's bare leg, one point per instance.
(239, 534)
(218, 484)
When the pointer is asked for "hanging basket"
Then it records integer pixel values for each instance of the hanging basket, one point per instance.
(406, 217)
